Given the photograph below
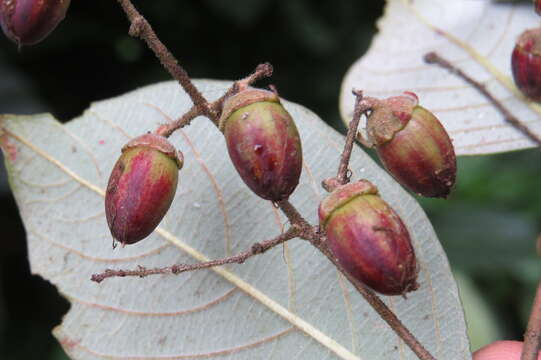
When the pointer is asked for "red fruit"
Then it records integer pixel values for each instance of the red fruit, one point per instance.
(141, 187)
(263, 143)
(526, 63)
(368, 238)
(413, 145)
(537, 4)
(27, 22)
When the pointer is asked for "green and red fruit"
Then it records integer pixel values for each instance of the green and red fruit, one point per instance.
(141, 187)
(368, 238)
(263, 143)
(413, 145)
(27, 22)
(526, 63)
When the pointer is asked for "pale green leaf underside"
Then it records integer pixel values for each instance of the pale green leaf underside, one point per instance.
(478, 37)
(286, 304)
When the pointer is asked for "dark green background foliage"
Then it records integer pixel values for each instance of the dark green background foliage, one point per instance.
(488, 227)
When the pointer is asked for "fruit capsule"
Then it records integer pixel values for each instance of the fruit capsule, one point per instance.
(368, 238)
(141, 187)
(27, 22)
(413, 145)
(263, 143)
(526, 63)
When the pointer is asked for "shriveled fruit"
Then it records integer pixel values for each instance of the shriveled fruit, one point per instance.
(263, 143)
(141, 187)
(368, 238)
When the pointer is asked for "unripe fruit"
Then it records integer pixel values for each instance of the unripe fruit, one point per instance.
(413, 145)
(368, 239)
(141, 187)
(27, 22)
(263, 143)
(526, 63)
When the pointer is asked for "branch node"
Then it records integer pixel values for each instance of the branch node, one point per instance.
(257, 248)
(137, 26)
(330, 184)
(215, 108)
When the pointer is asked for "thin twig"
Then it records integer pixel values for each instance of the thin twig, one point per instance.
(532, 336)
(350, 138)
(255, 249)
(295, 218)
(362, 105)
(434, 58)
(262, 71)
(141, 28)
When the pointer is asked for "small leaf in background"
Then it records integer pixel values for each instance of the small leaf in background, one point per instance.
(289, 303)
(476, 36)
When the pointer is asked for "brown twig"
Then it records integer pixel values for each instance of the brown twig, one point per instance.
(262, 70)
(434, 58)
(362, 105)
(295, 218)
(350, 138)
(255, 249)
(141, 28)
(532, 336)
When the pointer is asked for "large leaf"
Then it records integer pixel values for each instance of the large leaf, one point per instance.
(289, 303)
(478, 37)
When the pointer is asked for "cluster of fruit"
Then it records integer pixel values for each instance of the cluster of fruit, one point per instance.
(363, 232)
